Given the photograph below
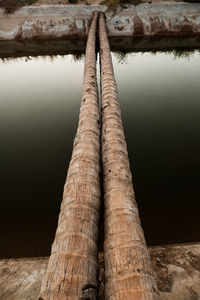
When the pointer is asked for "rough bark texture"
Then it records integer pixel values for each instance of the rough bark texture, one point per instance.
(72, 271)
(128, 271)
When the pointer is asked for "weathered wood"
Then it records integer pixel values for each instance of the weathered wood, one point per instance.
(128, 271)
(72, 271)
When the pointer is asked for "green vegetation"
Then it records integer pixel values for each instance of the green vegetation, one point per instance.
(129, 2)
(72, 1)
(192, 1)
(12, 5)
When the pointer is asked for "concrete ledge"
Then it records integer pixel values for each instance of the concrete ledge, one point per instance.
(176, 267)
(46, 21)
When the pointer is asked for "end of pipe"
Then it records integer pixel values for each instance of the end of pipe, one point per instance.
(95, 13)
(102, 14)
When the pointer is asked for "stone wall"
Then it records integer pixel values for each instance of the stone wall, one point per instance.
(59, 21)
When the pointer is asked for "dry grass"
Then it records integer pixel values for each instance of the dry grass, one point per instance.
(113, 4)
(12, 5)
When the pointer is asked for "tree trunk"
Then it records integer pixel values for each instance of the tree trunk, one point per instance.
(72, 271)
(128, 272)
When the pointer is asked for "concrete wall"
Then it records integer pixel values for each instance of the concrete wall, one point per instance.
(156, 19)
(177, 272)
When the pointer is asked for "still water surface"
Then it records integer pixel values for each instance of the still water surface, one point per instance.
(39, 107)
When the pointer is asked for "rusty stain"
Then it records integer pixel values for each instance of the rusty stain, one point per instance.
(158, 27)
(138, 26)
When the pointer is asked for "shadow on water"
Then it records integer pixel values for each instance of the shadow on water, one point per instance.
(40, 96)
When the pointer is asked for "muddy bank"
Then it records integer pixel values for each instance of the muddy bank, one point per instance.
(146, 19)
(176, 267)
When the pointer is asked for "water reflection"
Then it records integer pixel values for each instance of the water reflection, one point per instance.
(159, 96)
(38, 118)
(124, 57)
(40, 100)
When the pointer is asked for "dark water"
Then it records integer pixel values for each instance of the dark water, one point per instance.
(39, 112)
(39, 107)
(160, 100)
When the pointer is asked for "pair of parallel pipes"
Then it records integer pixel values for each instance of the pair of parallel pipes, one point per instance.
(72, 271)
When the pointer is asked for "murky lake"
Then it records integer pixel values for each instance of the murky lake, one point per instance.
(39, 107)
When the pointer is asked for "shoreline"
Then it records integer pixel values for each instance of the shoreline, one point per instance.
(122, 46)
